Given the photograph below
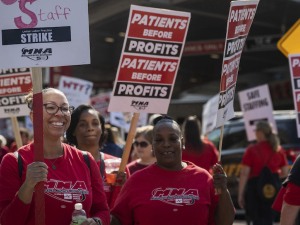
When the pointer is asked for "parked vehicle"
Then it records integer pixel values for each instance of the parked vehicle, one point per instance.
(235, 143)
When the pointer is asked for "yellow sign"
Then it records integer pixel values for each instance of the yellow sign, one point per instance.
(290, 42)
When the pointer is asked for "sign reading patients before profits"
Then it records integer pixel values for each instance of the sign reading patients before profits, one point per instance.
(14, 84)
(209, 115)
(294, 61)
(76, 90)
(149, 61)
(256, 105)
(240, 18)
(44, 33)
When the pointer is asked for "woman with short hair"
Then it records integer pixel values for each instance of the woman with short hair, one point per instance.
(65, 173)
(172, 191)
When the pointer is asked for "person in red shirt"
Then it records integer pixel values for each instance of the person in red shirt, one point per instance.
(87, 132)
(172, 191)
(143, 149)
(25, 136)
(291, 198)
(267, 152)
(67, 178)
(199, 152)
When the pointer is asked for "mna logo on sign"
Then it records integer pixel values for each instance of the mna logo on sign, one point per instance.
(139, 105)
(37, 54)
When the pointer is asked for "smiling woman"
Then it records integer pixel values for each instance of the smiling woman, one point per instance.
(171, 191)
(64, 170)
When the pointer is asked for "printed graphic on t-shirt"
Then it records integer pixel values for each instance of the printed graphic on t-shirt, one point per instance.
(66, 191)
(174, 196)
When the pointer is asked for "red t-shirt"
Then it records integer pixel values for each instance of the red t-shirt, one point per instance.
(205, 159)
(277, 205)
(292, 195)
(252, 158)
(135, 166)
(111, 192)
(160, 197)
(72, 182)
(13, 146)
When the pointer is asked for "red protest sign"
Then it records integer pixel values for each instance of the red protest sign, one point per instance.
(14, 83)
(294, 62)
(240, 18)
(100, 103)
(150, 59)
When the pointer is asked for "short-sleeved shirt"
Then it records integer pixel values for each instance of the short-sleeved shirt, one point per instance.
(157, 196)
(135, 166)
(206, 158)
(258, 155)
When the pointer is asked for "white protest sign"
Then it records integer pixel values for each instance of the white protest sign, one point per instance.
(209, 115)
(76, 90)
(100, 103)
(256, 105)
(123, 120)
(149, 61)
(240, 18)
(14, 84)
(294, 62)
(44, 33)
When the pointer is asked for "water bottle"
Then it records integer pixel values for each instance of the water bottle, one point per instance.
(79, 215)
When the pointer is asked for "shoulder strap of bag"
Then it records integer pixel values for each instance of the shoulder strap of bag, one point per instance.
(102, 164)
(263, 158)
(20, 163)
(86, 159)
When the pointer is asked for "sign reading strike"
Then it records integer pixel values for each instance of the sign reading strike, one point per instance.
(150, 59)
(240, 18)
(44, 33)
(209, 115)
(14, 84)
(76, 90)
(256, 105)
(100, 103)
(294, 61)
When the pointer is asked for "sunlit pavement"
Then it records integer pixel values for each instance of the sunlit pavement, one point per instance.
(243, 222)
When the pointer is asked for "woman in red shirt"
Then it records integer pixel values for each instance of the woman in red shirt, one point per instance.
(143, 149)
(199, 152)
(67, 179)
(267, 152)
(171, 191)
(87, 132)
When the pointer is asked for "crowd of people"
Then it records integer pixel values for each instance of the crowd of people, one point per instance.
(174, 176)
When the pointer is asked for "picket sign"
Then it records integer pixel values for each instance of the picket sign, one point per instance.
(16, 131)
(241, 15)
(148, 65)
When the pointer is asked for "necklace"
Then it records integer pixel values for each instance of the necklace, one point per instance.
(53, 166)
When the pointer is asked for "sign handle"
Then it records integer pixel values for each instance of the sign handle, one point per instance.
(220, 149)
(220, 144)
(130, 136)
(38, 142)
(16, 131)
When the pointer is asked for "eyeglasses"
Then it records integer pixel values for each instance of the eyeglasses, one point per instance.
(53, 109)
(143, 144)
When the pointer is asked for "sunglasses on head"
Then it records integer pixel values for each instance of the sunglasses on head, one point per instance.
(143, 144)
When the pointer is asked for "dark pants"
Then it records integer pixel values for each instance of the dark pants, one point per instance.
(263, 221)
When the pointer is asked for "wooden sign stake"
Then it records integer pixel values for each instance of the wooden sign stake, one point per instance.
(16, 131)
(128, 145)
(220, 144)
(38, 142)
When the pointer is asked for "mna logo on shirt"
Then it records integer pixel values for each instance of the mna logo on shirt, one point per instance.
(174, 196)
